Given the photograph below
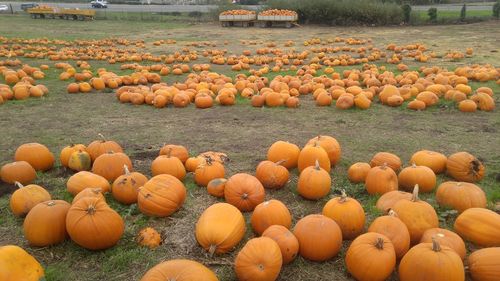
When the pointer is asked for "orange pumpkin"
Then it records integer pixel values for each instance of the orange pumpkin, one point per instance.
(208, 170)
(272, 175)
(380, 180)
(434, 160)
(288, 243)
(445, 238)
(394, 229)
(244, 191)
(89, 192)
(17, 264)
(479, 226)
(149, 237)
(110, 165)
(260, 259)
(178, 151)
(388, 199)
(460, 196)
(37, 155)
(357, 172)
(387, 158)
(19, 171)
(463, 166)
(27, 197)
(484, 264)
(314, 182)
(272, 212)
(216, 187)
(282, 150)
(126, 187)
(161, 196)
(421, 175)
(170, 165)
(311, 154)
(81, 180)
(330, 145)
(45, 224)
(99, 147)
(179, 270)
(347, 213)
(66, 152)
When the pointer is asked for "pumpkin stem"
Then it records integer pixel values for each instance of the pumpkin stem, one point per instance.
(384, 166)
(435, 245)
(316, 166)
(343, 196)
(280, 161)
(91, 210)
(212, 249)
(51, 203)
(244, 196)
(169, 152)
(127, 171)
(18, 184)
(414, 197)
(392, 213)
(413, 165)
(102, 137)
(380, 243)
(475, 167)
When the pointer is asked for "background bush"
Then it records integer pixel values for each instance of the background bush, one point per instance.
(343, 12)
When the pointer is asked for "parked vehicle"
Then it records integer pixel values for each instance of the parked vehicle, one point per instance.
(4, 8)
(99, 4)
(26, 6)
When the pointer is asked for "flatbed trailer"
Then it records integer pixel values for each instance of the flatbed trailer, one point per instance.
(254, 20)
(277, 21)
(61, 13)
(237, 20)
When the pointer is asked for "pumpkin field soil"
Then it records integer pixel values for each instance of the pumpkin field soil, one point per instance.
(243, 132)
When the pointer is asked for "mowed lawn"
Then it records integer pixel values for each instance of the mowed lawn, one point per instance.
(243, 132)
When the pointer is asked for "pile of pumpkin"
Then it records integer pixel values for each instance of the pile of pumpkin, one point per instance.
(239, 12)
(278, 12)
(23, 81)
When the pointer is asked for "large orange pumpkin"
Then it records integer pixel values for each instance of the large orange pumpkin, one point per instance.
(92, 224)
(18, 171)
(479, 226)
(27, 197)
(421, 175)
(371, 256)
(394, 229)
(259, 260)
(16, 264)
(320, 238)
(347, 213)
(386, 158)
(179, 270)
(220, 228)
(84, 179)
(314, 182)
(286, 151)
(484, 264)
(170, 165)
(272, 175)
(38, 155)
(161, 196)
(244, 191)
(126, 187)
(380, 180)
(45, 224)
(110, 165)
(288, 243)
(464, 166)
(460, 195)
(434, 160)
(272, 212)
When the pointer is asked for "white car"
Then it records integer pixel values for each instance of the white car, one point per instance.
(99, 4)
(4, 8)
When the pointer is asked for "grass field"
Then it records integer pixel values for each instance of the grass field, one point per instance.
(241, 131)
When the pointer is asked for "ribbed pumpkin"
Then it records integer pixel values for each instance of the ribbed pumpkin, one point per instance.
(320, 238)
(357, 172)
(179, 270)
(161, 196)
(126, 187)
(380, 180)
(16, 265)
(387, 200)
(421, 175)
(463, 166)
(220, 228)
(479, 226)
(288, 243)
(99, 147)
(330, 145)
(484, 264)
(460, 195)
(282, 150)
(272, 212)
(18, 171)
(45, 224)
(347, 213)
(431, 262)
(193, 162)
(311, 154)
(417, 215)
(80, 161)
(394, 229)
(149, 237)
(259, 260)
(244, 191)
(314, 182)
(68, 150)
(174, 150)
(216, 187)
(84, 179)
(27, 197)
(371, 256)
(434, 160)
(447, 238)
(89, 192)
(110, 165)
(272, 175)
(92, 224)
(170, 165)
(387, 158)
(208, 170)
(37, 155)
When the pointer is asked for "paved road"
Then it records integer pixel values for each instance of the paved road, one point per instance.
(205, 8)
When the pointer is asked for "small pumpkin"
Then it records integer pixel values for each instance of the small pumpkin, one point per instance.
(460, 195)
(434, 160)
(179, 270)
(174, 150)
(110, 165)
(288, 243)
(161, 196)
(421, 175)
(320, 238)
(170, 165)
(37, 155)
(394, 229)
(348, 213)
(431, 261)
(479, 226)
(386, 202)
(272, 175)
(45, 224)
(220, 228)
(484, 264)
(99, 147)
(282, 150)
(84, 179)
(244, 191)
(314, 182)
(80, 161)
(27, 197)
(330, 145)
(463, 166)
(126, 187)
(417, 215)
(149, 237)
(387, 158)
(216, 187)
(272, 212)
(18, 171)
(447, 238)
(208, 170)
(311, 154)
(357, 172)
(371, 256)
(68, 150)
(380, 180)
(92, 224)
(259, 260)
(16, 264)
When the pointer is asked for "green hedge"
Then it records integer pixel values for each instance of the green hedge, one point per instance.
(342, 12)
